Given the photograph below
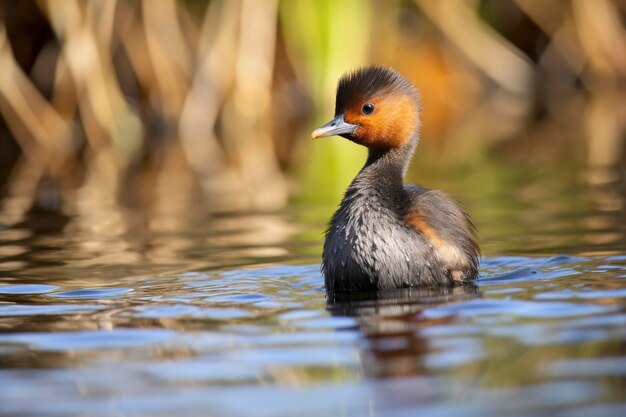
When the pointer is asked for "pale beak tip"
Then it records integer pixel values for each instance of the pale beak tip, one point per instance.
(315, 134)
(337, 126)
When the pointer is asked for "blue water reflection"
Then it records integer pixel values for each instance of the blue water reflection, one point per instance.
(207, 321)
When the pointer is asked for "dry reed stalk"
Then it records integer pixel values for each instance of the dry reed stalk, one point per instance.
(43, 134)
(151, 102)
(481, 44)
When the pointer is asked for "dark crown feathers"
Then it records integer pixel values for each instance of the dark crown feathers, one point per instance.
(369, 82)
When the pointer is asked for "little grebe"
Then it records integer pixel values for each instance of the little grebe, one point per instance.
(387, 234)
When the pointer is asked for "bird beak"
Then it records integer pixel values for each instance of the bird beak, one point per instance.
(337, 126)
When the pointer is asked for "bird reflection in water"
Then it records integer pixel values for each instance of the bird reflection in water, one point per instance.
(391, 322)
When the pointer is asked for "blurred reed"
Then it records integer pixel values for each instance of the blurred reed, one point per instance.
(166, 104)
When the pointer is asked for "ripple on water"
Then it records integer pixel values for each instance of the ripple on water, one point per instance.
(16, 310)
(478, 308)
(176, 311)
(576, 368)
(587, 294)
(27, 289)
(244, 298)
(88, 340)
(95, 293)
(200, 369)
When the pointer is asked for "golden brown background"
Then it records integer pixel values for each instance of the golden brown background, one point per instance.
(164, 104)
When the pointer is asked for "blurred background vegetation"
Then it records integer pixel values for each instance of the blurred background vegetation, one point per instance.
(163, 105)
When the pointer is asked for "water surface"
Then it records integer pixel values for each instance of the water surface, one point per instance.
(225, 315)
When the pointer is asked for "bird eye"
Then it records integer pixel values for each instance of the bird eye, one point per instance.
(368, 108)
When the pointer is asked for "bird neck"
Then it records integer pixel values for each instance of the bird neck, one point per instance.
(385, 168)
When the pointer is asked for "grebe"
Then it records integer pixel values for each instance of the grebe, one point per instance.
(387, 234)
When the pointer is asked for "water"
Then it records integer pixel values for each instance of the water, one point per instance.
(120, 314)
